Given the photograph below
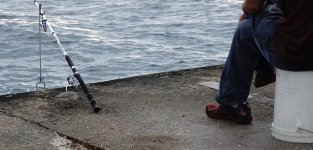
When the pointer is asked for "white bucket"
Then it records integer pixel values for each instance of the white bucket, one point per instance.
(293, 107)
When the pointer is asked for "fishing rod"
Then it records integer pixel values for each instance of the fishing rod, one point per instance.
(46, 23)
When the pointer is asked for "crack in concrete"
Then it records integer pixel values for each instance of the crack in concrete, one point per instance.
(74, 141)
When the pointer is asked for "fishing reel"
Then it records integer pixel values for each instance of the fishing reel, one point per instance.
(72, 82)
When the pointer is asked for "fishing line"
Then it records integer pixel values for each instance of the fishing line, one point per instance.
(46, 25)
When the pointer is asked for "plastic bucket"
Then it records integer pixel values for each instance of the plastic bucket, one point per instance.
(293, 106)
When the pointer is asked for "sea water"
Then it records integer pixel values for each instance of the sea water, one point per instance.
(110, 39)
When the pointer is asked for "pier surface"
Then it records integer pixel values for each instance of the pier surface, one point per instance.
(164, 111)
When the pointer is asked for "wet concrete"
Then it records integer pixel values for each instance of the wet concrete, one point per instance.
(162, 111)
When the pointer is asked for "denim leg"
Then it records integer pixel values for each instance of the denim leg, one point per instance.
(253, 40)
(239, 67)
(264, 32)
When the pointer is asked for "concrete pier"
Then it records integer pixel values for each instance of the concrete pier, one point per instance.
(164, 111)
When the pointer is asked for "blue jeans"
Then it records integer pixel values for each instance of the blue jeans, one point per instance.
(252, 41)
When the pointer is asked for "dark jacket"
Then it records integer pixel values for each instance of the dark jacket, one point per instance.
(295, 33)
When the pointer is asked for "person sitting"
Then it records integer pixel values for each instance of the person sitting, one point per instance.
(279, 33)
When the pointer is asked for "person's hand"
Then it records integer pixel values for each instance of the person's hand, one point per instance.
(252, 6)
(242, 17)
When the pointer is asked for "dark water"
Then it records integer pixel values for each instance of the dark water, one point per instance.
(109, 39)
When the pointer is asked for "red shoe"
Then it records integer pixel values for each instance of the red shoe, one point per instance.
(241, 115)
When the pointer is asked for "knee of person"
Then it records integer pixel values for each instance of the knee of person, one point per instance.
(245, 26)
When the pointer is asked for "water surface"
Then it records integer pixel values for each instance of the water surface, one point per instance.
(109, 39)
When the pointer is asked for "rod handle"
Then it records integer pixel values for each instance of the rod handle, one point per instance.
(94, 106)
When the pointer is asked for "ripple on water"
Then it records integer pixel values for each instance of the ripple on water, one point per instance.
(112, 39)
